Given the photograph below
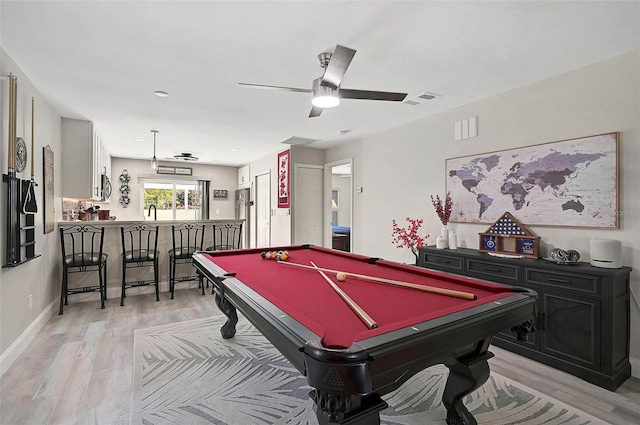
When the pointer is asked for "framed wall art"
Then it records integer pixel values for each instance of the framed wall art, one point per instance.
(47, 173)
(220, 193)
(284, 200)
(571, 183)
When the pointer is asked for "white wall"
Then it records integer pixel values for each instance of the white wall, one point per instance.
(39, 277)
(596, 99)
(222, 177)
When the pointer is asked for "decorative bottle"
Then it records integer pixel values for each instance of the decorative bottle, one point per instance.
(453, 240)
(444, 234)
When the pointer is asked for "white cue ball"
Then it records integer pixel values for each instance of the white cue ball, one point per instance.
(341, 276)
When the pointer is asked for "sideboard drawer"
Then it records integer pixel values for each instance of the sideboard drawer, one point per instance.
(442, 262)
(574, 282)
(496, 272)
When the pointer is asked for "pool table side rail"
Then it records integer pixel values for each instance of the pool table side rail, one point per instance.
(288, 335)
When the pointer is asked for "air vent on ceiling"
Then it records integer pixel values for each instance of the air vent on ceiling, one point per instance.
(185, 156)
(421, 98)
(298, 141)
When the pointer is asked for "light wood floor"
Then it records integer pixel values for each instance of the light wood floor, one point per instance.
(78, 368)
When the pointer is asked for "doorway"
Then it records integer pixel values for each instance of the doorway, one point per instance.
(338, 206)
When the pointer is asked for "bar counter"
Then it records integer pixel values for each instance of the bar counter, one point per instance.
(113, 248)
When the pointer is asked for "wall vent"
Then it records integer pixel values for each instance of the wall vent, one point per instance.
(298, 141)
(421, 98)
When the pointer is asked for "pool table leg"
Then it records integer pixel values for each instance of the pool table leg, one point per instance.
(228, 330)
(465, 376)
(348, 409)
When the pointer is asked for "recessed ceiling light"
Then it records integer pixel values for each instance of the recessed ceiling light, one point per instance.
(161, 93)
(233, 150)
(139, 140)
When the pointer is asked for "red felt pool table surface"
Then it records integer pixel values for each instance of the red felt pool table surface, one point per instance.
(304, 295)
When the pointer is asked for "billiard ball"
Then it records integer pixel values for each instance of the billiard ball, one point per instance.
(283, 256)
(341, 276)
(263, 254)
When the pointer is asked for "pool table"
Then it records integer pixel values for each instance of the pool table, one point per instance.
(349, 364)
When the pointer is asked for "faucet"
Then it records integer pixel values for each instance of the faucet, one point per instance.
(155, 212)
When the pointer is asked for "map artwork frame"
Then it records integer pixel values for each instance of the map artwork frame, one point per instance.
(568, 183)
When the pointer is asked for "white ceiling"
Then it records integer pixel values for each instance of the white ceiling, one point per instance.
(103, 60)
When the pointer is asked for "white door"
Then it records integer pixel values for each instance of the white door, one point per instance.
(263, 210)
(307, 198)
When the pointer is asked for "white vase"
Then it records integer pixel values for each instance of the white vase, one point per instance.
(453, 240)
(441, 243)
(444, 234)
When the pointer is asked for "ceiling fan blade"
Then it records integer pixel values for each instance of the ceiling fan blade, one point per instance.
(337, 66)
(315, 112)
(371, 95)
(263, 86)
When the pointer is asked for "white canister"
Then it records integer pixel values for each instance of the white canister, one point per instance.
(441, 242)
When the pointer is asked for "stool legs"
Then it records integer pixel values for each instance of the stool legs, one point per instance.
(124, 279)
(155, 277)
(172, 275)
(63, 291)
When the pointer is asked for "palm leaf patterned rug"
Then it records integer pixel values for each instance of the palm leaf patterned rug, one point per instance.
(185, 373)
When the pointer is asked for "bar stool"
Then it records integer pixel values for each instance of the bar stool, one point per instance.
(226, 236)
(187, 238)
(139, 249)
(82, 252)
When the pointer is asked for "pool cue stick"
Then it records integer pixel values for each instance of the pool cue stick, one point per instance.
(371, 324)
(424, 288)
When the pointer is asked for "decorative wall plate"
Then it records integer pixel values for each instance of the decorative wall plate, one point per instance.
(124, 177)
(21, 155)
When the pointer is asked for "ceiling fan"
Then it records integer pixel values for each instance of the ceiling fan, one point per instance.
(326, 90)
(183, 156)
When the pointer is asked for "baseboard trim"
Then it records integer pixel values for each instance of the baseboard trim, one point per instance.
(11, 354)
(635, 367)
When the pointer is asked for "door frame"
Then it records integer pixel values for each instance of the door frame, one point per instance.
(328, 187)
(255, 197)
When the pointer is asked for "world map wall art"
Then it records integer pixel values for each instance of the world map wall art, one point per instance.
(565, 183)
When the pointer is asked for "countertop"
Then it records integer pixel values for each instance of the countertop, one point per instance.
(118, 223)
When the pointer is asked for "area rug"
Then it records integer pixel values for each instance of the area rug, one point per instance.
(185, 373)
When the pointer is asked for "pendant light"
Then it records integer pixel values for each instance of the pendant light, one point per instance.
(154, 161)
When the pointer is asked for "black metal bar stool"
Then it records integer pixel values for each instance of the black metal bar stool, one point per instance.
(187, 238)
(139, 249)
(82, 252)
(225, 236)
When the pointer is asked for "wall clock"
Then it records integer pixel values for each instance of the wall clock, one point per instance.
(21, 155)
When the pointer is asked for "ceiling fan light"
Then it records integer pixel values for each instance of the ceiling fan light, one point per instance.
(324, 97)
(325, 101)
(154, 164)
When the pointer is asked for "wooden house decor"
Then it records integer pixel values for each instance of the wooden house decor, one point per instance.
(509, 237)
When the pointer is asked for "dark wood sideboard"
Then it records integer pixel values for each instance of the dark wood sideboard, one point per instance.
(583, 311)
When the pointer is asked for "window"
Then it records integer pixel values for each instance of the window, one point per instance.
(179, 200)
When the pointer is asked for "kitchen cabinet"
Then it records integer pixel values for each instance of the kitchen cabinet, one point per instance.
(244, 177)
(583, 316)
(84, 158)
